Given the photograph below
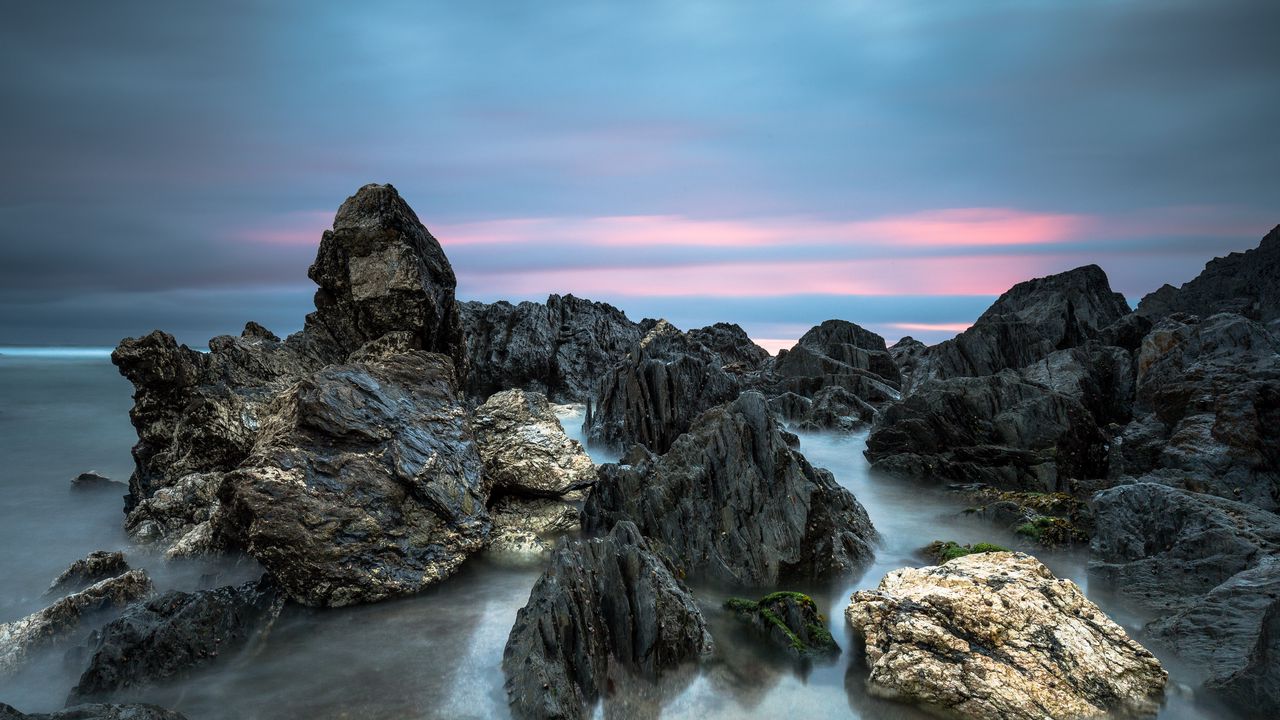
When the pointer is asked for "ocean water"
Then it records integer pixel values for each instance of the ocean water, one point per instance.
(437, 654)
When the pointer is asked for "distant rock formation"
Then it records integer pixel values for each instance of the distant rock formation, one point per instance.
(733, 502)
(834, 377)
(996, 635)
(1245, 283)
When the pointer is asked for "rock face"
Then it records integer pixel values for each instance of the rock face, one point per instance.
(386, 430)
(839, 353)
(61, 620)
(96, 712)
(666, 380)
(996, 635)
(1031, 320)
(525, 451)
(181, 517)
(1247, 283)
(998, 430)
(380, 271)
(604, 610)
(169, 635)
(733, 502)
(559, 348)
(732, 344)
(97, 566)
(790, 620)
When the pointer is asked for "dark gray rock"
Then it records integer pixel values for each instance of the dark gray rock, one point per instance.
(654, 394)
(95, 567)
(604, 611)
(560, 348)
(170, 635)
(1100, 377)
(907, 354)
(96, 712)
(1031, 320)
(1246, 283)
(365, 482)
(838, 353)
(831, 408)
(732, 344)
(996, 430)
(93, 482)
(733, 502)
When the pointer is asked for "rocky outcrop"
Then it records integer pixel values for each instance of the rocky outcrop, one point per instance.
(789, 620)
(907, 354)
(996, 635)
(1030, 321)
(1100, 377)
(525, 451)
(95, 567)
(1246, 283)
(733, 502)
(93, 482)
(168, 636)
(559, 348)
(831, 408)
(654, 394)
(1206, 408)
(997, 430)
(526, 529)
(364, 483)
(96, 712)
(182, 517)
(732, 344)
(63, 619)
(380, 271)
(605, 610)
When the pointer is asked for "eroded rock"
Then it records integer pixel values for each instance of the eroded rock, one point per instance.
(525, 451)
(95, 567)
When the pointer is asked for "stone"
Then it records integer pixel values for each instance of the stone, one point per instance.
(838, 352)
(525, 529)
(92, 711)
(606, 610)
(524, 450)
(733, 502)
(169, 636)
(95, 567)
(996, 635)
(64, 618)
(790, 620)
(180, 517)
(732, 344)
(93, 482)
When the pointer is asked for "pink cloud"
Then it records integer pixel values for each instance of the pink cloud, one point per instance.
(773, 345)
(931, 327)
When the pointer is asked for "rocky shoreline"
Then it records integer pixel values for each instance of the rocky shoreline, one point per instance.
(401, 432)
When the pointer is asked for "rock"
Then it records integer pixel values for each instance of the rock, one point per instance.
(525, 451)
(907, 354)
(996, 430)
(604, 609)
(365, 482)
(93, 482)
(170, 635)
(1102, 378)
(732, 344)
(831, 408)
(1028, 322)
(380, 271)
(996, 635)
(1247, 283)
(733, 502)
(838, 353)
(61, 620)
(95, 567)
(1206, 408)
(560, 348)
(1164, 548)
(790, 620)
(96, 712)
(666, 380)
(524, 529)
(1050, 519)
(180, 517)
(941, 551)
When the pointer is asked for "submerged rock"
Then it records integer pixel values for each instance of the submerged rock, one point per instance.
(525, 529)
(95, 567)
(606, 610)
(790, 620)
(63, 619)
(93, 482)
(525, 451)
(733, 502)
(365, 483)
(96, 712)
(996, 635)
(170, 635)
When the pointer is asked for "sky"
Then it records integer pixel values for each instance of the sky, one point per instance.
(897, 164)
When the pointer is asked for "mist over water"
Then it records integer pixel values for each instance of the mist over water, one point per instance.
(437, 654)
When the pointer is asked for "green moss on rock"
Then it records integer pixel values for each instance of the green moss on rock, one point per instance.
(945, 550)
(790, 619)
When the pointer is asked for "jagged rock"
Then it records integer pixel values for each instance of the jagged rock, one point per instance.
(1102, 378)
(95, 567)
(524, 529)
(1029, 321)
(790, 620)
(380, 271)
(365, 482)
(997, 430)
(525, 451)
(996, 635)
(839, 353)
(831, 408)
(1247, 283)
(907, 354)
(732, 344)
(181, 517)
(61, 620)
(1163, 547)
(93, 482)
(96, 712)
(1207, 405)
(168, 636)
(605, 610)
(733, 502)
(666, 380)
(559, 348)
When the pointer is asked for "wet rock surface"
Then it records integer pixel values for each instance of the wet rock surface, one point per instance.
(606, 611)
(525, 451)
(733, 502)
(789, 620)
(93, 711)
(95, 567)
(996, 635)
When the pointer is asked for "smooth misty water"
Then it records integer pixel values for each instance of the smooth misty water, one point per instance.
(438, 654)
